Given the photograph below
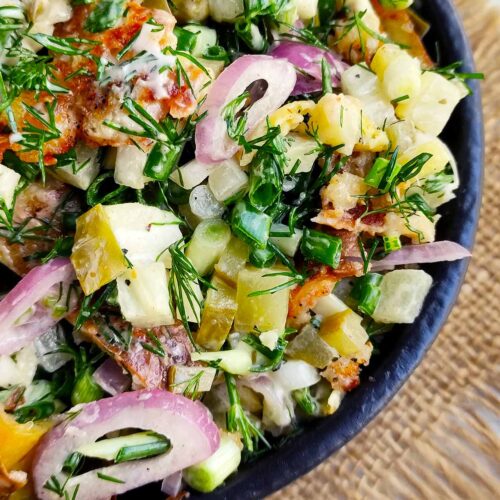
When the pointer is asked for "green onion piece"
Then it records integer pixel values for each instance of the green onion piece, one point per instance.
(396, 4)
(321, 247)
(105, 15)
(99, 191)
(366, 292)
(266, 181)
(216, 53)
(326, 77)
(186, 40)
(305, 401)
(250, 225)
(391, 243)
(161, 161)
(262, 257)
(377, 172)
(213, 471)
(158, 447)
(85, 389)
(72, 462)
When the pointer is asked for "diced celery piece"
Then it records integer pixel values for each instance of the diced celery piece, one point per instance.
(287, 244)
(209, 240)
(107, 449)
(143, 232)
(329, 305)
(129, 167)
(8, 184)
(343, 331)
(190, 379)
(206, 37)
(311, 348)
(266, 311)
(218, 315)
(303, 150)
(144, 297)
(227, 180)
(213, 471)
(97, 256)
(235, 361)
(83, 171)
(232, 260)
(402, 296)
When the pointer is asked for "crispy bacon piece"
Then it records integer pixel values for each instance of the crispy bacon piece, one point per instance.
(148, 370)
(38, 215)
(343, 374)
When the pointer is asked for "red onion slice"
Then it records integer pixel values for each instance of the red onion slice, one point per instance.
(439, 251)
(111, 378)
(25, 312)
(212, 142)
(307, 59)
(188, 425)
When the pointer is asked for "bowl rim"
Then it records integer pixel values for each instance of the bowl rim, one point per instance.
(308, 449)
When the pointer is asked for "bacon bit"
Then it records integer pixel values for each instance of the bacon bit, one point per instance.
(343, 374)
(148, 370)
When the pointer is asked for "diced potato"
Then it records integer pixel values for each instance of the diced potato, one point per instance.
(418, 227)
(403, 295)
(218, 315)
(18, 370)
(129, 167)
(287, 244)
(300, 149)
(144, 297)
(207, 244)
(329, 305)
(8, 183)
(402, 134)
(344, 189)
(337, 119)
(291, 115)
(227, 180)
(264, 312)
(402, 77)
(343, 331)
(97, 256)
(191, 174)
(431, 109)
(190, 378)
(307, 9)
(190, 10)
(84, 171)
(225, 10)
(233, 260)
(311, 348)
(143, 232)
(235, 361)
(386, 53)
(372, 138)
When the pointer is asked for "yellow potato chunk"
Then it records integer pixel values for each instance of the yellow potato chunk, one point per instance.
(218, 315)
(337, 120)
(343, 332)
(291, 115)
(97, 256)
(264, 312)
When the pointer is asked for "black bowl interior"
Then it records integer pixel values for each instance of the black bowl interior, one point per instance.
(405, 347)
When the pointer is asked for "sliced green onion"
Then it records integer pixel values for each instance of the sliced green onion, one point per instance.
(158, 447)
(251, 225)
(377, 172)
(391, 243)
(85, 389)
(186, 39)
(213, 471)
(321, 247)
(262, 257)
(366, 292)
(305, 401)
(266, 181)
(384, 172)
(216, 53)
(161, 161)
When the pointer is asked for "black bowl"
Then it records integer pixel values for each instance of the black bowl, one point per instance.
(407, 345)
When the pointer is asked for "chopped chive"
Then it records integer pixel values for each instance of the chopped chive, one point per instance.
(321, 247)
(111, 479)
(366, 292)
(250, 225)
(400, 99)
(158, 447)
(391, 243)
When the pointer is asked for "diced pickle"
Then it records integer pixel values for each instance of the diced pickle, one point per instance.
(97, 256)
(311, 348)
(343, 332)
(233, 260)
(218, 315)
(267, 311)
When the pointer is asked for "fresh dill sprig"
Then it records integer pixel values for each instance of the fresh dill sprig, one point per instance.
(451, 72)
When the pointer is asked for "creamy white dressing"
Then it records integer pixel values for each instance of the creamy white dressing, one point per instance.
(151, 67)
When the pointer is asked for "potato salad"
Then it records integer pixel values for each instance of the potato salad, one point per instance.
(211, 213)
